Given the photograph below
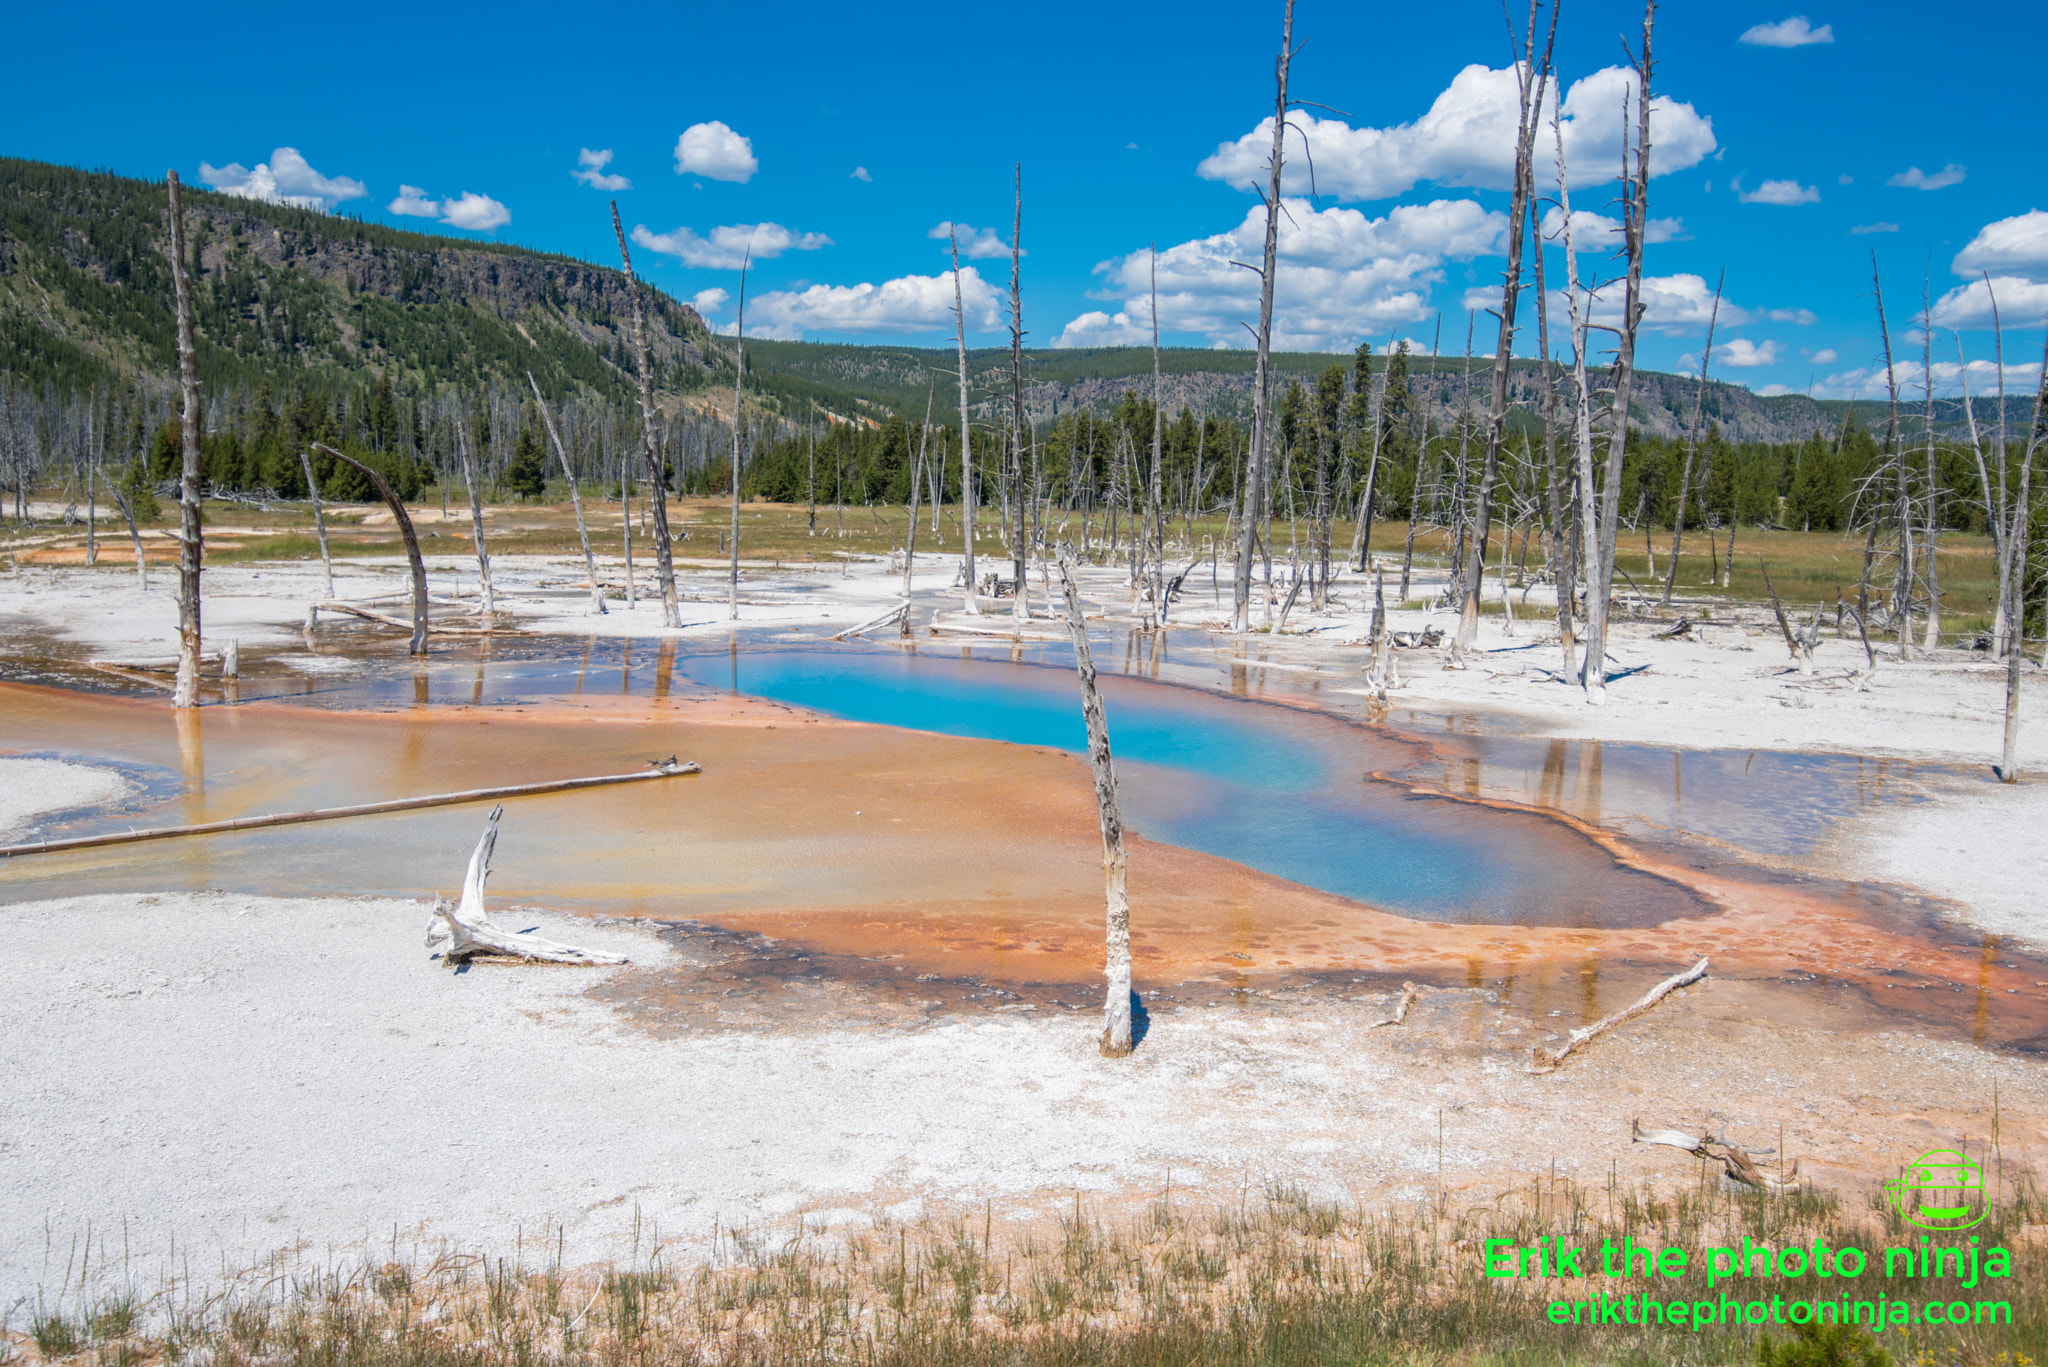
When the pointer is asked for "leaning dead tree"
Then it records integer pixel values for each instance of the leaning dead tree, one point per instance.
(1157, 546)
(1692, 441)
(575, 499)
(465, 931)
(739, 371)
(1532, 78)
(412, 545)
(486, 601)
(1116, 1004)
(968, 498)
(191, 548)
(1255, 477)
(664, 557)
(1020, 541)
(2021, 516)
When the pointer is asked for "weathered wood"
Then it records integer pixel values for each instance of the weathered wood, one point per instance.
(967, 490)
(739, 374)
(319, 519)
(412, 546)
(575, 498)
(191, 542)
(465, 931)
(891, 615)
(1116, 1006)
(664, 557)
(1547, 1060)
(485, 596)
(1734, 1160)
(402, 804)
(1409, 992)
(1802, 654)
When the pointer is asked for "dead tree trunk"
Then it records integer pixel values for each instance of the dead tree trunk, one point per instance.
(465, 931)
(739, 371)
(664, 557)
(487, 601)
(1255, 492)
(1020, 535)
(575, 499)
(924, 435)
(1533, 78)
(412, 547)
(191, 548)
(1692, 438)
(1902, 512)
(2022, 516)
(1563, 566)
(1158, 546)
(968, 493)
(1931, 523)
(1116, 1005)
(319, 520)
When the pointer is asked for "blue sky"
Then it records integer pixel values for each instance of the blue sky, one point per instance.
(836, 138)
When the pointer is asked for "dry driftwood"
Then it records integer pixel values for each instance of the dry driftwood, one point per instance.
(666, 769)
(465, 931)
(891, 615)
(1116, 1008)
(1409, 992)
(1546, 1060)
(1734, 1161)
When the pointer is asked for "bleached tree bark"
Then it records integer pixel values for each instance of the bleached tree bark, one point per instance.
(2022, 517)
(1158, 546)
(487, 601)
(1255, 491)
(1592, 673)
(92, 544)
(412, 545)
(1931, 525)
(319, 520)
(1532, 79)
(191, 546)
(1699, 412)
(465, 931)
(1563, 562)
(1020, 535)
(575, 499)
(1116, 1005)
(1902, 587)
(967, 490)
(739, 371)
(924, 434)
(664, 556)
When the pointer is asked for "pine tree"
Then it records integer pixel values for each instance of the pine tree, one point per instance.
(527, 473)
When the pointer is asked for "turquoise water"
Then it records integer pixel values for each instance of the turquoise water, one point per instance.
(1281, 791)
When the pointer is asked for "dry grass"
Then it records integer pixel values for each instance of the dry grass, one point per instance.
(1278, 1278)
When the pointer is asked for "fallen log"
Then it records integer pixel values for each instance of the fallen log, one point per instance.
(465, 931)
(1734, 1161)
(1547, 1060)
(891, 615)
(402, 804)
(368, 614)
(1409, 992)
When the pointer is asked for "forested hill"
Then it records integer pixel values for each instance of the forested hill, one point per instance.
(307, 300)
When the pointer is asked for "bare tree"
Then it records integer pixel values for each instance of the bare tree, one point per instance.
(1020, 533)
(1932, 508)
(664, 558)
(487, 602)
(1895, 467)
(575, 499)
(924, 434)
(967, 490)
(1158, 543)
(1692, 438)
(1255, 490)
(1532, 78)
(2021, 516)
(739, 371)
(319, 519)
(412, 544)
(1116, 1004)
(191, 548)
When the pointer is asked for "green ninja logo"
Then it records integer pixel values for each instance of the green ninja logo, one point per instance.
(1942, 1191)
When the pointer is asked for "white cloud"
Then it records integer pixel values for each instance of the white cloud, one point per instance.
(287, 178)
(1865, 229)
(1804, 317)
(1913, 178)
(708, 302)
(2011, 246)
(861, 173)
(412, 202)
(1466, 139)
(1845, 180)
(2020, 302)
(715, 152)
(593, 173)
(1675, 305)
(727, 247)
(1743, 354)
(1343, 276)
(1868, 382)
(976, 244)
(911, 303)
(1797, 31)
(1593, 232)
(1825, 356)
(1100, 329)
(1773, 391)
(479, 213)
(1781, 192)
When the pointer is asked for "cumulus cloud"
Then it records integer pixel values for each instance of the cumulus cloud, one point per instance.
(479, 213)
(861, 173)
(1674, 305)
(1865, 229)
(2011, 246)
(727, 247)
(1095, 329)
(1343, 275)
(976, 244)
(708, 302)
(1825, 356)
(911, 303)
(287, 178)
(593, 173)
(1743, 354)
(1593, 232)
(1466, 139)
(1781, 192)
(715, 152)
(2020, 301)
(1913, 178)
(1804, 317)
(1797, 31)
(1869, 382)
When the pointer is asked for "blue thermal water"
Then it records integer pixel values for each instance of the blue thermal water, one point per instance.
(1276, 791)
